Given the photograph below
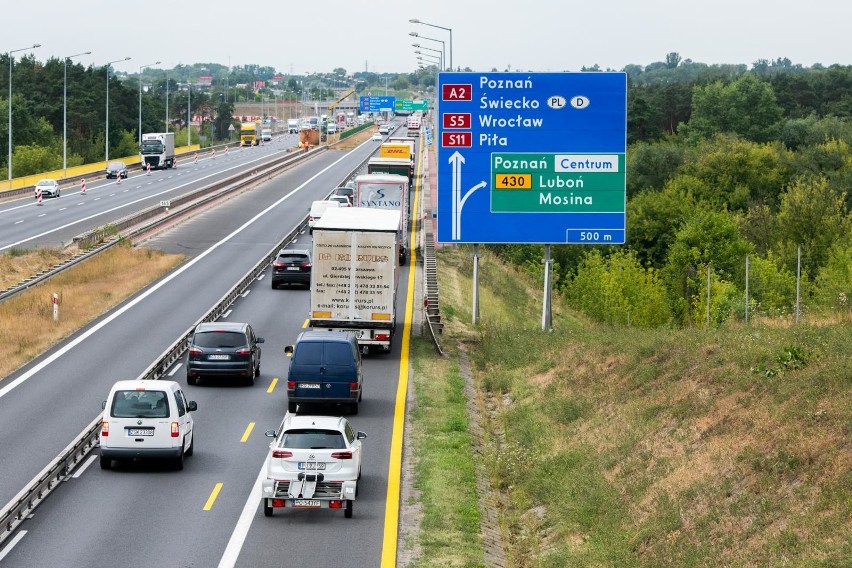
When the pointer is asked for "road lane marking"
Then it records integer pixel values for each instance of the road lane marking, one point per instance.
(246, 293)
(247, 433)
(272, 386)
(307, 321)
(226, 314)
(12, 544)
(389, 541)
(174, 369)
(84, 467)
(212, 498)
(21, 221)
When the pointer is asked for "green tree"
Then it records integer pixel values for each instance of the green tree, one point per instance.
(30, 159)
(746, 107)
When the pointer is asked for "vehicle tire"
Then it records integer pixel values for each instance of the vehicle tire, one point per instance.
(191, 380)
(178, 463)
(353, 409)
(267, 508)
(274, 285)
(58, 192)
(191, 449)
(106, 463)
(250, 379)
(347, 512)
(291, 407)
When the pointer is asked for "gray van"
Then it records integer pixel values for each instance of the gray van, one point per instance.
(325, 368)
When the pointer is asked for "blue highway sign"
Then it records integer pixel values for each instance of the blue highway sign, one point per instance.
(377, 104)
(532, 157)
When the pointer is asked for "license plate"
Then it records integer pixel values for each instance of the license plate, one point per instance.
(306, 503)
(309, 385)
(140, 431)
(292, 268)
(218, 357)
(311, 465)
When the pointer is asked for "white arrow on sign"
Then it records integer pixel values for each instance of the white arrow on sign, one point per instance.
(456, 160)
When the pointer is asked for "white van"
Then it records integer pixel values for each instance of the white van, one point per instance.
(266, 134)
(146, 419)
(316, 211)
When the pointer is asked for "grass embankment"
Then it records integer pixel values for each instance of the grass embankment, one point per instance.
(637, 447)
(86, 291)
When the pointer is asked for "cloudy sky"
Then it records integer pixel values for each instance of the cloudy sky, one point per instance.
(531, 35)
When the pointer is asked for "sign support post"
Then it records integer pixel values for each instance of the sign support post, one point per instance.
(475, 284)
(546, 310)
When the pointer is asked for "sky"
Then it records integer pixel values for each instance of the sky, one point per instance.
(531, 35)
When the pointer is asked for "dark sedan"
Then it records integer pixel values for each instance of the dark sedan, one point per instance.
(219, 349)
(116, 169)
(292, 267)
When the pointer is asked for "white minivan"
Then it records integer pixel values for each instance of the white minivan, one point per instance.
(146, 419)
(316, 211)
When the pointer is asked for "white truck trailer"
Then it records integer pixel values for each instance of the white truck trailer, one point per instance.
(355, 273)
(386, 191)
(158, 150)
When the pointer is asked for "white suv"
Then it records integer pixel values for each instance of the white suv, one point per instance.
(314, 463)
(146, 419)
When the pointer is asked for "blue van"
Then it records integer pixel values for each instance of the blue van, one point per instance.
(325, 368)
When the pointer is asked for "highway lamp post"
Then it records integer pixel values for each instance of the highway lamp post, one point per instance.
(106, 133)
(440, 55)
(443, 46)
(9, 53)
(188, 113)
(140, 97)
(65, 112)
(416, 21)
(438, 51)
(167, 101)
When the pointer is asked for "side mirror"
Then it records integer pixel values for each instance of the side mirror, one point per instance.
(270, 433)
(260, 340)
(192, 406)
(103, 405)
(288, 349)
(360, 435)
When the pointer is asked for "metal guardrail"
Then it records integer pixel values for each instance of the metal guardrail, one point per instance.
(17, 510)
(431, 304)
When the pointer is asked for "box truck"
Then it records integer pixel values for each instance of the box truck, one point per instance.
(158, 150)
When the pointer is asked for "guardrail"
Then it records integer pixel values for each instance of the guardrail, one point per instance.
(17, 510)
(431, 305)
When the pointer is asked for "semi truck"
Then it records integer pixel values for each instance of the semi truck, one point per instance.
(158, 150)
(386, 191)
(397, 166)
(354, 274)
(248, 134)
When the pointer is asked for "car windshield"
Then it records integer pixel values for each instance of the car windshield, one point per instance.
(219, 339)
(140, 404)
(45, 182)
(152, 146)
(116, 166)
(293, 258)
(313, 439)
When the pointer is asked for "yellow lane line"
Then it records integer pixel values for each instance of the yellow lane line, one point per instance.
(272, 385)
(213, 495)
(247, 433)
(389, 543)
(307, 321)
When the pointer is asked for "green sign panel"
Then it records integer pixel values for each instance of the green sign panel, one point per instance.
(557, 183)
(407, 105)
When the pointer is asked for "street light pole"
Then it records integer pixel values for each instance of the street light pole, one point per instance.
(443, 45)
(140, 97)
(167, 102)
(188, 114)
(65, 112)
(9, 53)
(438, 51)
(416, 21)
(106, 133)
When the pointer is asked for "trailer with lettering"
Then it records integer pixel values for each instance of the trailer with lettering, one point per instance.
(386, 191)
(355, 273)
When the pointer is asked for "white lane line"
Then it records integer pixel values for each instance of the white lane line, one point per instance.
(226, 314)
(43, 214)
(119, 312)
(63, 208)
(238, 537)
(246, 293)
(21, 221)
(175, 369)
(14, 541)
(83, 467)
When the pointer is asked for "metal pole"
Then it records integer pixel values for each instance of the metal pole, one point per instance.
(546, 311)
(746, 291)
(106, 134)
(475, 284)
(167, 102)
(140, 98)
(65, 113)
(708, 296)
(798, 280)
(9, 163)
(188, 114)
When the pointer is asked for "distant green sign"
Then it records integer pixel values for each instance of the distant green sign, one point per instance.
(406, 105)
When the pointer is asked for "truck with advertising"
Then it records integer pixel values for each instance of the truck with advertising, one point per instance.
(158, 150)
(248, 134)
(402, 151)
(397, 166)
(354, 274)
(386, 191)
(292, 126)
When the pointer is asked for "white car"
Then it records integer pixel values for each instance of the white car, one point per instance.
(146, 419)
(316, 211)
(313, 463)
(48, 188)
(342, 199)
(377, 137)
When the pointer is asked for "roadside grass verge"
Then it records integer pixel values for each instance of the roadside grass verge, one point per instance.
(16, 265)
(637, 447)
(86, 291)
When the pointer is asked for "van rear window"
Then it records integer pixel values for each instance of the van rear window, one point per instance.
(219, 339)
(140, 404)
(308, 353)
(338, 353)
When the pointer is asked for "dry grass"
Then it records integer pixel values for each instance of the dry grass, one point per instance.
(18, 266)
(86, 291)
